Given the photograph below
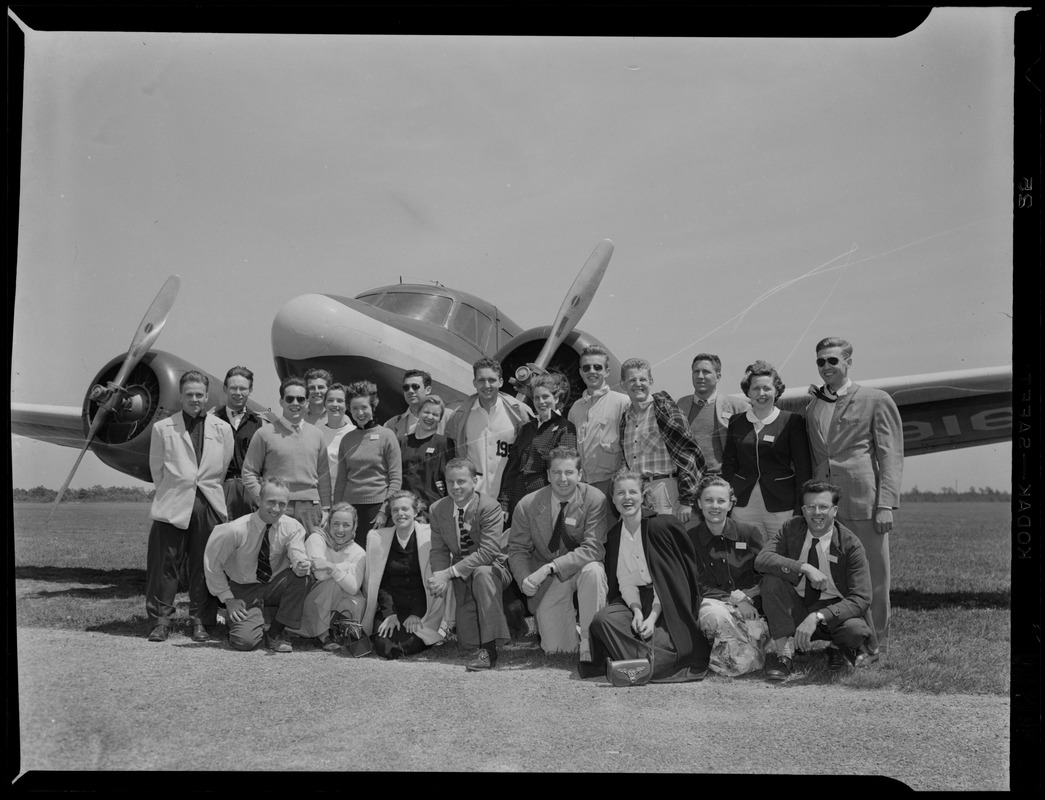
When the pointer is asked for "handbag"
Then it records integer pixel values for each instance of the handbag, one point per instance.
(349, 634)
(631, 671)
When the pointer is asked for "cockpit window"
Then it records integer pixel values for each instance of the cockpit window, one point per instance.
(423, 307)
(471, 324)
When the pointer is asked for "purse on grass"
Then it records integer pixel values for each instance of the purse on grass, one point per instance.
(631, 671)
(349, 634)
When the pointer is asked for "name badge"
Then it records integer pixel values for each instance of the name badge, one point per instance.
(768, 438)
(466, 526)
(374, 437)
(570, 521)
(740, 545)
(832, 559)
(430, 450)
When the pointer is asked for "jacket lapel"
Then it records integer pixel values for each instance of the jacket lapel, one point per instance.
(842, 404)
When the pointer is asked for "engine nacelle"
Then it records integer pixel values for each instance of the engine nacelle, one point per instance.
(150, 394)
(525, 347)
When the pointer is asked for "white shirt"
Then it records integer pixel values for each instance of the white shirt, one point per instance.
(631, 569)
(490, 435)
(332, 439)
(596, 416)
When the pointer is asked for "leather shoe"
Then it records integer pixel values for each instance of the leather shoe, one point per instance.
(483, 660)
(200, 633)
(777, 668)
(159, 634)
(278, 644)
(328, 644)
(835, 660)
(865, 660)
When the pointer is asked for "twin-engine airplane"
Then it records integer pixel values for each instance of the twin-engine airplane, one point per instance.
(380, 333)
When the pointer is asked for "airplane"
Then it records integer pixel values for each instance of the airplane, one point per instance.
(379, 334)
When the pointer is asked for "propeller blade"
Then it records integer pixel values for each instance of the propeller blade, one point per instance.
(147, 333)
(577, 300)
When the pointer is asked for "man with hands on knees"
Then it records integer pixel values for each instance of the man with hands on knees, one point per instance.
(468, 543)
(816, 585)
(555, 549)
(259, 560)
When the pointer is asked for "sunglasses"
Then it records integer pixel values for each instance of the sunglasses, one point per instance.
(411, 386)
(294, 398)
(590, 367)
(834, 361)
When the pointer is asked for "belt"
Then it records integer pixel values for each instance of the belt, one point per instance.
(658, 476)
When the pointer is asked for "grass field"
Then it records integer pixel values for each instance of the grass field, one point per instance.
(951, 592)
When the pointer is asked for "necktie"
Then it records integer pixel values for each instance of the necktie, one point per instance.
(264, 567)
(559, 532)
(462, 533)
(812, 595)
(824, 394)
(701, 402)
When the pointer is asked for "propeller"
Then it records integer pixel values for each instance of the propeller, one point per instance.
(576, 302)
(108, 397)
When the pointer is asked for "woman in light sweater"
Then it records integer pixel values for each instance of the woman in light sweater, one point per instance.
(369, 462)
(335, 427)
(339, 565)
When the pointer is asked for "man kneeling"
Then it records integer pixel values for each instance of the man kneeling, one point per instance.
(555, 549)
(259, 560)
(816, 585)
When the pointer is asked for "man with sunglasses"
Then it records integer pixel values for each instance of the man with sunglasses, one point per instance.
(708, 411)
(417, 385)
(596, 415)
(294, 450)
(856, 440)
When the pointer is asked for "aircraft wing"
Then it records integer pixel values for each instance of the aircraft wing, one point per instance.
(942, 410)
(62, 425)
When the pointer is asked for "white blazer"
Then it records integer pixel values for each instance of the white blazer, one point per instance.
(176, 474)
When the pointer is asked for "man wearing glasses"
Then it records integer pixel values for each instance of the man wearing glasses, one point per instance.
(856, 440)
(816, 585)
(708, 412)
(292, 449)
(596, 416)
(417, 385)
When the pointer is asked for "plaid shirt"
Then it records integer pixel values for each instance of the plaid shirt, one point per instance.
(683, 448)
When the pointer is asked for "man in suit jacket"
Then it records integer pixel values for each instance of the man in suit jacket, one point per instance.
(468, 542)
(555, 549)
(709, 429)
(189, 454)
(816, 584)
(856, 440)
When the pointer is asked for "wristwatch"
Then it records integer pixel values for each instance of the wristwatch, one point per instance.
(820, 619)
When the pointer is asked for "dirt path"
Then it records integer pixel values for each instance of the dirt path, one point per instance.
(93, 701)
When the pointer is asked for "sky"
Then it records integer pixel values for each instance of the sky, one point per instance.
(761, 194)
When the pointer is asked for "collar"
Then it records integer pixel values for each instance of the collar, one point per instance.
(824, 538)
(571, 499)
(493, 408)
(843, 391)
(230, 413)
(709, 401)
(286, 423)
(643, 407)
(593, 396)
(403, 543)
(189, 420)
(705, 534)
(460, 510)
(770, 417)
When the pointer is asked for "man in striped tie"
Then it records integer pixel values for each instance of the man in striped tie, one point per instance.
(256, 561)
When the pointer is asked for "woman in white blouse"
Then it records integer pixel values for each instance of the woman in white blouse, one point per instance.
(336, 426)
(339, 565)
(651, 574)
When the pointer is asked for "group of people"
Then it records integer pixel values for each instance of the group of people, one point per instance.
(718, 531)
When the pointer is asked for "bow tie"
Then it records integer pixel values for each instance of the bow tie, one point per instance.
(823, 393)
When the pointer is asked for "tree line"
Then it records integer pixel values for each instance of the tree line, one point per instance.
(140, 494)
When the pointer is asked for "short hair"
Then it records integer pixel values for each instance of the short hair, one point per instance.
(486, 363)
(339, 387)
(367, 389)
(416, 501)
(635, 363)
(322, 374)
(291, 380)
(433, 400)
(554, 382)
(835, 341)
(762, 369)
(239, 372)
(564, 453)
(715, 480)
(461, 463)
(426, 379)
(596, 350)
(716, 362)
(275, 481)
(193, 376)
(625, 474)
(818, 487)
(346, 507)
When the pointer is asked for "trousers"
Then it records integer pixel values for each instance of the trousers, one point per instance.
(555, 616)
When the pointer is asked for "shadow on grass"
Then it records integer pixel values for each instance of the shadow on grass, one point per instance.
(117, 582)
(916, 600)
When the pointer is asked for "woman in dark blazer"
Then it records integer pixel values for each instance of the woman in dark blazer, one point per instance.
(651, 575)
(766, 459)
